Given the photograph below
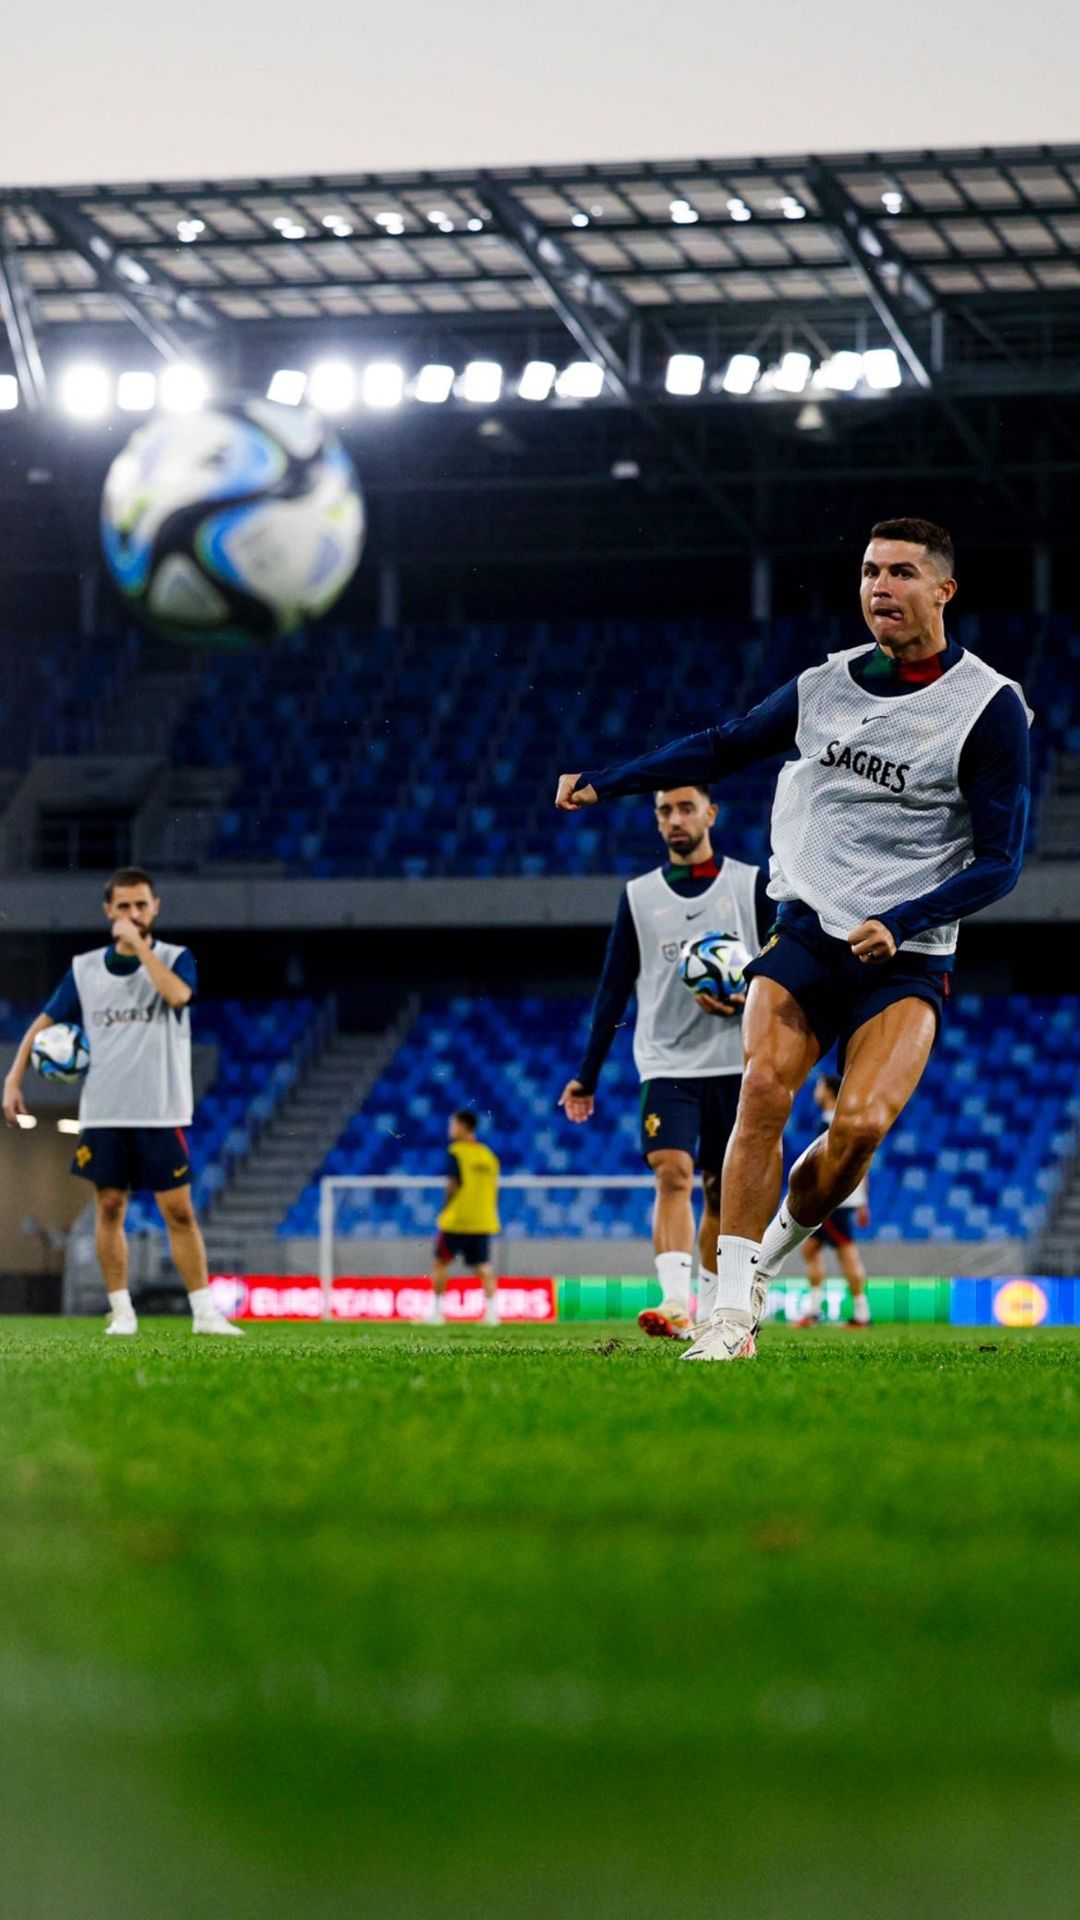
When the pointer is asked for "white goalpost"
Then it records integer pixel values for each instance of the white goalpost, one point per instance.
(334, 1183)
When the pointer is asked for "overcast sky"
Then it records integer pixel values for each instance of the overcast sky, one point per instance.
(220, 88)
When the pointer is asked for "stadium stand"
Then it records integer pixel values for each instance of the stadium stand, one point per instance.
(480, 718)
(979, 1154)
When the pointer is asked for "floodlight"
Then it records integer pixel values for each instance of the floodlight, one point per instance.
(332, 386)
(67, 1126)
(581, 380)
(685, 373)
(136, 392)
(84, 391)
(27, 1120)
(881, 368)
(482, 382)
(579, 219)
(791, 208)
(741, 373)
(474, 225)
(383, 384)
(793, 373)
(9, 393)
(683, 214)
(892, 202)
(433, 384)
(183, 389)
(287, 386)
(293, 231)
(537, 380)
(842, 372)
(739, 210)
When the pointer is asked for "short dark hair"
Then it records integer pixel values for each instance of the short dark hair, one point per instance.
(921, 533)
(832, 1081)
(697, 785)
(128, 877)
(468, 1118)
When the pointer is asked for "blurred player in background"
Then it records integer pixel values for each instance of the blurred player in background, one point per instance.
(687, 1047)
(838, 1232)
(133, 999)
(470, 1215)
(905, 809)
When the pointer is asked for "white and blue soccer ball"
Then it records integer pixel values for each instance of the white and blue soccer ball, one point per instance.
(713, 963)
(233, 525)
(61, 1053)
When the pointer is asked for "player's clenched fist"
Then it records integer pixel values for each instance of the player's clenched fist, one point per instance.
(570, 802)
(872, 942)
(577, 1104)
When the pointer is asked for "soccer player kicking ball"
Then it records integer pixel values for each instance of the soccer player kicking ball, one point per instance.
(903, 810)
(687, 1047)
(133, 999)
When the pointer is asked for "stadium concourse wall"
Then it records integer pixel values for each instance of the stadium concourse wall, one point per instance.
(237, 900)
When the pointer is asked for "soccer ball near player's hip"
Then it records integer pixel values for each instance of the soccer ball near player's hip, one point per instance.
(234, 525)
(61, 1053)
(713, 964)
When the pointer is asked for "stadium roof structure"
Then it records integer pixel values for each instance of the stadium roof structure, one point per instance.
(967, 261)
(861, 329)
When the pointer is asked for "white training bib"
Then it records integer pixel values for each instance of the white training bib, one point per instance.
(872, 815)
(674, 1038)
(140, 1047)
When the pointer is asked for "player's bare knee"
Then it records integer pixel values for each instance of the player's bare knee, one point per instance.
(856, 1132)
(674, 1173)
(176, 1209)
(111, 1206)
(764, 1102)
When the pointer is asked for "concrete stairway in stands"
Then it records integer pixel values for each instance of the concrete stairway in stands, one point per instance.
(240, 1229)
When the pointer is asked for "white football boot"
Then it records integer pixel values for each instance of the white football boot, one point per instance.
(729, 1334)
(122, 1323)
(216, 1322)
(491, 1314)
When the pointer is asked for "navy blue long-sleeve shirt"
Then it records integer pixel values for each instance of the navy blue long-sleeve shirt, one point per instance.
(622, 961)
(994, 777)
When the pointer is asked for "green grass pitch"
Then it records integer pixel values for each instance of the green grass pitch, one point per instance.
(542, 1625)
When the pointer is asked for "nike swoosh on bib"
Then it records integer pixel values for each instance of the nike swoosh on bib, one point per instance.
(697, 915)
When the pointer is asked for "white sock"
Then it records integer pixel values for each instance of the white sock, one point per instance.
(816, 1296)
(706, 1293)
(737, 1269)
(860, 1309)
(673, 1271)
(202, 1304)
(120, 1304)
(780, 1238)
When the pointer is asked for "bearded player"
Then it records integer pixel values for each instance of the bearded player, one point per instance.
(133, 998)
(904, 810)
(687, 1047)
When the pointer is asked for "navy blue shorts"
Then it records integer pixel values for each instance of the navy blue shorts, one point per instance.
(473, 1248)
(694, 1116)
(837, 992)
(135, 1159)
(837, 1231)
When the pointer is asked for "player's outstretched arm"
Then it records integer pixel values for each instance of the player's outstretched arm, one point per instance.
(768, 729)
(14, 1104)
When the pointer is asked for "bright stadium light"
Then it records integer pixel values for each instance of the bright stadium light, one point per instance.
(433, 384)
(685, 373)
(537, 380)
(332, 386)
(84, 391)
(136, 392)
(739, 210)
(793, 373)
(287, 386)
(881, 368)
(67, 1126)
(383, 384)
(683, 214)
(482, 382)
(581, 380)
(579, 219)
(27, 1120)
(892, 202)
(183, 389)
(842, 372)
(741, 372)
(9, 393)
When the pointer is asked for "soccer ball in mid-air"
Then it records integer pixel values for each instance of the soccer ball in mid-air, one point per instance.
(61, 1053)
(234, 525)
(713, 963)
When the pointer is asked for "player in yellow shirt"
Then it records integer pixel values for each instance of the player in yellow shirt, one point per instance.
(470, 1215)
